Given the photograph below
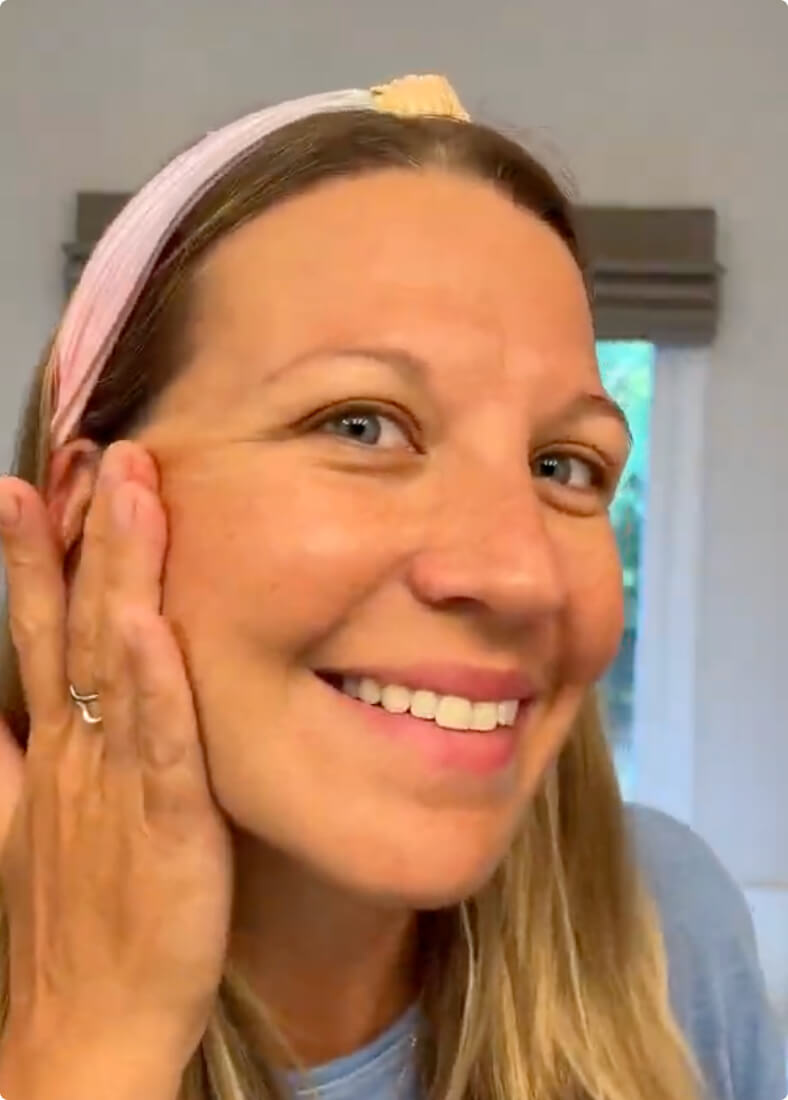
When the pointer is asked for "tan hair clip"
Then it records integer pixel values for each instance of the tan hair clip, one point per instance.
(419, 95)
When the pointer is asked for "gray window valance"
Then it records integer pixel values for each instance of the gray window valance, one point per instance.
(654, 272)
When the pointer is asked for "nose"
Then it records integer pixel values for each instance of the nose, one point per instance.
(488, 549)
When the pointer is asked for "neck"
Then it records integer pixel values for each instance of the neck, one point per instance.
(332, 969)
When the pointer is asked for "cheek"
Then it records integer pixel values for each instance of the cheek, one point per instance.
(285, 555)
(595, 603)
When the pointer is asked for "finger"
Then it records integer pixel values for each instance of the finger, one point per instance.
(135, 543)
(120, 462)
(174, 778)
(11, 772)
(36, 604)
(85, 598)
(135, 546)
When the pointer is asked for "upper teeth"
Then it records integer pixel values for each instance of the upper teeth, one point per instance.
(450, 711)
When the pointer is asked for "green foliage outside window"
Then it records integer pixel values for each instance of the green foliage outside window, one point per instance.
(627, 370)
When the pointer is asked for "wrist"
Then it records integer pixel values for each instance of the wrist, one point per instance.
(65, 1067)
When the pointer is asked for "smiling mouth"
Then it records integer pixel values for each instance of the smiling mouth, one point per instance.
(450, 712)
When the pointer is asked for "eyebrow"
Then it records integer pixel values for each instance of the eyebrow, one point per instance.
(414, 369)
(594, 404)
(409, 366)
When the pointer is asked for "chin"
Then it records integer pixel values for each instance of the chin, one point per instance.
(430, 888)
(421, 877)
(440, 895)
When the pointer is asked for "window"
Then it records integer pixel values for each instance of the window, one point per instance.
(627, 369)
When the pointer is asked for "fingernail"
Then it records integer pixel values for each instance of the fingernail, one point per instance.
(9, 511)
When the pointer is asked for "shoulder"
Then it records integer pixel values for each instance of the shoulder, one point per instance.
(690, 886)
(716, 983)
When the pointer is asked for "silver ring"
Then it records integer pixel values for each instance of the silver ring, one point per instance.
(83, 702)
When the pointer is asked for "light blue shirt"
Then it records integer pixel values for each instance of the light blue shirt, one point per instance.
(717, 986)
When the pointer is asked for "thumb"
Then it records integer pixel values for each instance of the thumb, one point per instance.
(11, 773)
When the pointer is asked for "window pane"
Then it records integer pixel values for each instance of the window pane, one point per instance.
(628, 373)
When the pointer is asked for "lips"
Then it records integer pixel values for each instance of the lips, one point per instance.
(452, 697)
(460, 739)
(459, 721)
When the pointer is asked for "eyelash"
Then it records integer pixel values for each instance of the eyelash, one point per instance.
(393, 413)
(603, 472)
(600, 468)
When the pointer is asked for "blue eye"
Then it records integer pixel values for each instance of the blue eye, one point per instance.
(367, 427)
(569, 470)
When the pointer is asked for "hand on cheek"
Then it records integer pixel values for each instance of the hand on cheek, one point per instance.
(117, 869)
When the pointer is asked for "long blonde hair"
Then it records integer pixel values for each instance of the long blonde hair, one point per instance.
(550, 983)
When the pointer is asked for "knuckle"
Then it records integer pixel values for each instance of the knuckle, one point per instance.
(43, 757)
(30, 626)
(161, 749)
(19, 553)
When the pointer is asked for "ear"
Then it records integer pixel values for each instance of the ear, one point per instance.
(73, 471)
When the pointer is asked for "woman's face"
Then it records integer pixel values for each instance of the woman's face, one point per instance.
(387, 469)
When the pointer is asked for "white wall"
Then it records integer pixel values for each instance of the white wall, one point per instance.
(649, 101)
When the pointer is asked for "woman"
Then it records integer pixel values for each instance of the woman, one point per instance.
(311, 579)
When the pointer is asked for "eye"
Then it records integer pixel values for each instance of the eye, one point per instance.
(368, 427)
(571, 471)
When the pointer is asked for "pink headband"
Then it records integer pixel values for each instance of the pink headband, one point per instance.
(124, 258)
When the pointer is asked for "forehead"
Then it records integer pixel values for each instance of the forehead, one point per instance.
(398, 254)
